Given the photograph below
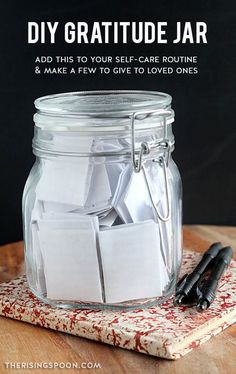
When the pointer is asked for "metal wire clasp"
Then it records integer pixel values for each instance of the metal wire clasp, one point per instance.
(145, 147)
(163, 161)
(162, 217)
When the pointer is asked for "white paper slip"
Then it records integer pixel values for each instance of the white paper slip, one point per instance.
(65, 182)
(99, 196)
(114, 171)
(123, 212)
(56, 222)
(71, 264)
(68, 215)
(118, 199)
(37, 260)
(132, 262)
(49, 207)
(137, 199)
(109, 219)
(122, 184)
(100, 211)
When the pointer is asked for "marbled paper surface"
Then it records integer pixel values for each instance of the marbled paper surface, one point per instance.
(164, 331)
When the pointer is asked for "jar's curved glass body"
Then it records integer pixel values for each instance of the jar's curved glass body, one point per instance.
(102, 221)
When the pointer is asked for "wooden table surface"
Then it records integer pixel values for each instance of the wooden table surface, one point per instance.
(22, 342)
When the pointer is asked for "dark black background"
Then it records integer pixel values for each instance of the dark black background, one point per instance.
(205, 103)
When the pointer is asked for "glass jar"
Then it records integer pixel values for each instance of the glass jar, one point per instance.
(102, 203)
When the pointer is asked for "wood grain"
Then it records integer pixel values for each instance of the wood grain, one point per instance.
(11, 261)
(21, 342)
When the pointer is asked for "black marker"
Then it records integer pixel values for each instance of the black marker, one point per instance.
(185, 286)
(208, 289)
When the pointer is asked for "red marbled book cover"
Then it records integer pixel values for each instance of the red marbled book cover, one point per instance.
(164, 331)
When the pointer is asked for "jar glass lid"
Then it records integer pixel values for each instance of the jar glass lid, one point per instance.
(74, 110)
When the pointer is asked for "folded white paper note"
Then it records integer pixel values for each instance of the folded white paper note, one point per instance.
(71, 263)
(132, 262)
(49, 206)
(122, 183)
(65, 182)
(114, 171)
(67, 215)
(66, 221)
(118, 199)
(99, 195)
(109, 219)
(137, 199)
(132, 200)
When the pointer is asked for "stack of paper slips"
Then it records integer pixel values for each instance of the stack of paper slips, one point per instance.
(95, 236)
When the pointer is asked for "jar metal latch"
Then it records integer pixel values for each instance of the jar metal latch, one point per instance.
(146, 148)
